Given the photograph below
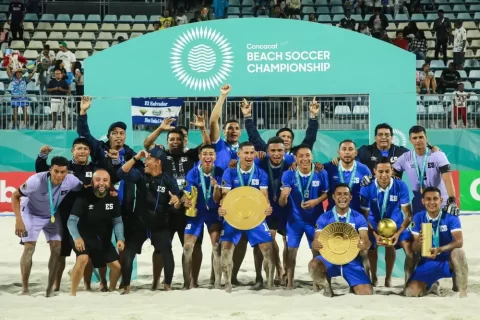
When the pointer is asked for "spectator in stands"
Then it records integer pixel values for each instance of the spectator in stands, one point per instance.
(181, 18)
(377, 23)
(384, 37)
(44, 61)
(312, 17)
(357, 6)
(459, 44)
(450, 78)
(166, 16)
(419, 45)
(17, 14)
(292, 7)
(400, 41)
(220, 8)
(119, 40)
(3, 37)
(410, 31)
(60, 66)
(156, 26)
(347, 22)
(400, 6)
(460, 104)
(427, 79)
(19, 94)
(363, 29)
(58, 88)
(442, 28)
(205, 14)
(78, 80)
(278, 12)
(68, 59)
(166, 24)
(196, 17)
(419, 89)
(260, 7)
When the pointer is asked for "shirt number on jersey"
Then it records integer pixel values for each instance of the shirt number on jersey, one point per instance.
(108, 206)
(188, 226)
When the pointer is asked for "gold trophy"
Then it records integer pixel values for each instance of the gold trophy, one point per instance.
(387, 228)
(427, 232)
(192, 196)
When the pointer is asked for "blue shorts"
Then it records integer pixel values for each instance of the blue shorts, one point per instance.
(404, 236)
(194, 226)
(295, 231)
(352, 272)
(259, 234)
(430, 271)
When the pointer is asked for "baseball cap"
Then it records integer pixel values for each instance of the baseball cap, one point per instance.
(158, 153)
(64, 44)
(80, 140)
(117, 124)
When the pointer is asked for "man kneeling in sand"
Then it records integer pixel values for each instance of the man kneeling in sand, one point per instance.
(447, 258)
(353, 272)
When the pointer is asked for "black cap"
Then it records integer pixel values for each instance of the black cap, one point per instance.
(118, 124)
(81, 140)
(158, 153)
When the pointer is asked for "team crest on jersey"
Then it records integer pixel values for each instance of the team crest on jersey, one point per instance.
(24, 186)
(88, 174)
(224, 183)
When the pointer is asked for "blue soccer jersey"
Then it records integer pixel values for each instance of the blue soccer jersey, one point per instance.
(225, 153)
(338, 175)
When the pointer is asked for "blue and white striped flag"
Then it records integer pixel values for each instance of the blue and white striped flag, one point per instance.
(152, 111)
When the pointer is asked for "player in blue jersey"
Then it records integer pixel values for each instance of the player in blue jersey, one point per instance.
(447, 257)
(388, 198)
(304, 190)
(206, 177)
(347, 171)
(353, 272)
(246, 174)
(226, 149)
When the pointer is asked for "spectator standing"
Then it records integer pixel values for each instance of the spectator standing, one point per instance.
(181, 18)
(450, 78)
(19, 94)
(44, 61)
(459, 44)
(166, 17)
(68, 59)
(220, 8)
(442, 28)
(17, 14)
(400, 41)
(347, 22)
(419, 45)
(3, 38)
(58, 64)
(410, 30)
(460, 105)
(427, 79)
(377, 23)
(58, 88)
(196, 17)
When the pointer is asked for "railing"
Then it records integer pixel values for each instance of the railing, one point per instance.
(348, 112)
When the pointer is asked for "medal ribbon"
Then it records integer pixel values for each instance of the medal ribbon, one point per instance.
(305, 193)
(274, 182)
(421, 174)
(436, 231)
(352, 176)
(337, 218)
(240, 176)
(53, 209)
(386, 195)
(207, 194)
(233, 150)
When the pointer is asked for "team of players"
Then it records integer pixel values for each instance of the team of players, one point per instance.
(293, 184)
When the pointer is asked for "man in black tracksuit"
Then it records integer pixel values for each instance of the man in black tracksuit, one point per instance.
(83, 170)
(17, 15)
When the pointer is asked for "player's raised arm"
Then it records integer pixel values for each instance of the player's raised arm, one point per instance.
(217, 113)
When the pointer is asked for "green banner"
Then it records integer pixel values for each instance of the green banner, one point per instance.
(470, 190)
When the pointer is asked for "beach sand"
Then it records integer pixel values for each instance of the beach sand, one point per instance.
(205, 303)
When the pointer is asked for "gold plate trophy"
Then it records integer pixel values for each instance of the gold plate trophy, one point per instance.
(192, 196)
(387, 228)
(427, 232)
(245, 208)
(340, 243)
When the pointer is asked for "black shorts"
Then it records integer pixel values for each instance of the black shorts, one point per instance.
(100, 252)
(177, 221)
(66, 249)
(135, 239)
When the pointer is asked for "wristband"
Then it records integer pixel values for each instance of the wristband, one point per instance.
(248, 117)
(451, 200)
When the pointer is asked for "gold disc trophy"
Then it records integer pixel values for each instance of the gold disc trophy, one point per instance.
(340, 243)
(245, 207)
(387, 228)
(192, 196)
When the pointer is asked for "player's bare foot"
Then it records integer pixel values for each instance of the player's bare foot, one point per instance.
(374, 281)
(50, 293)
(235, 282)
(435, 289)
(272, 287)
(258, 284)
(167, 287)
(315, 287)
(103, 287)
(56, 289)
(24, 292)
(228, 288)
(327, 292)
(87, 288)
(217, 285)
(126, 290)
(388, 283)
(194, 284)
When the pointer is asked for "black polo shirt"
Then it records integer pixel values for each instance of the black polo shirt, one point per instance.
(16, 10)
(54, 83)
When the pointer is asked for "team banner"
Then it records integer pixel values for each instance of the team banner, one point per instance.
(152, 111)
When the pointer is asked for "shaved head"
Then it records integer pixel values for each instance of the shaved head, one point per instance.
(101, 183)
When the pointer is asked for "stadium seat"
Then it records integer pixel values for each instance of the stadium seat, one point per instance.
(229, 17)
(263, 16)
(121, 34)
(80, 18)
(32, 88)
(154, 18)
(150, 26)
(437, 64)
(59, 26)
(135, 35)
(445, 7)
(423, 25)
(323, 18)
(429, 35)
(43, 26)
(459, 8)
(92, 27)
(142, 28)
(71, 45)
(307, 3)
(438, 74)
(107, 27)
(87, 36)
(94, 18)
(4, 8)
(342, 110)
(420, 64)
(32, 17)
(26, 35)
(247, 3)
(337, 10)
(2, 88)
(471, 63)
(233, 10)
(126, 19)
(111, 18)
(469, 24)
(234, 3)
(418, 17)
(53, 44)
(75, 27)
(55, 36)
(421, 109)
(320, 3)
(27, 26)
(72, 36)
(141, 19)
(463, 74)
(47, 17)
(431, 17)
(360, 110)
(39, 35)
(477, 85)
(473, 34)
(401, 17)
(30, 54)
(35, 45)
(320, 10)
(337, 18)
(101, 45)
(336, 3)
(474, 75)
(63, 18)
(105, 36)
(359, 18)
(436, 109)
(464, 16)
(84, 45)
(81, 54)
(467, 85)
(3, 76)
(123, 27)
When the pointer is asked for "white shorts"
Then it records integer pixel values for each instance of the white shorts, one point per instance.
(57, 105)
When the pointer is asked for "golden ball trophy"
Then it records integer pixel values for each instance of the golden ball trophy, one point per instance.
(192, 196)
(427, 232)
(387, 228)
